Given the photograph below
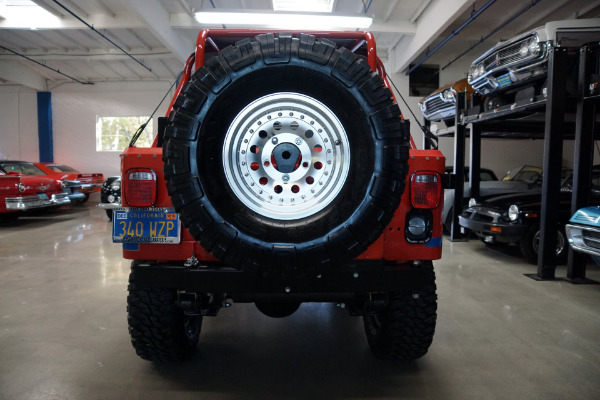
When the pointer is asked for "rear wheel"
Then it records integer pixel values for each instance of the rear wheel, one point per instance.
(160, 331)
(404, 329)
(109, 214)
(285, 151)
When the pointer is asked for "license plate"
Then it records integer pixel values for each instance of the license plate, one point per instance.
(503, 80)
(146, 225)
(43, 196)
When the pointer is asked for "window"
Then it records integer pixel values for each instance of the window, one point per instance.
(21, 168)
(424, 80)
(60, 168)
(115, 133)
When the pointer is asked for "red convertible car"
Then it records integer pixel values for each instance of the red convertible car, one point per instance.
(91, 182)
(24, 187)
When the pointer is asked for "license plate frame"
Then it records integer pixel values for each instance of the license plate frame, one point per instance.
(146, 225)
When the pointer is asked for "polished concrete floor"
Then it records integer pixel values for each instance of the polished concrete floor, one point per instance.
(500, 335)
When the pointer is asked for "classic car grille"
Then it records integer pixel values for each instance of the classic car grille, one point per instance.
(435, 104)
(591, 238)
(483, 217)
(506, 56)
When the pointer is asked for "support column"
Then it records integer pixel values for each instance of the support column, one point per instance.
(44, 108)
(553, 146)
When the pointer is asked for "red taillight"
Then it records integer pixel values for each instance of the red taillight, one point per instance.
(140, 187)
(425, 189)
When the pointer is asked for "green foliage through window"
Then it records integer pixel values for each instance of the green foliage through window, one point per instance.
(115, 133)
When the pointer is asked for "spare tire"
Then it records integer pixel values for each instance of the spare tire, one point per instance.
(285, 151)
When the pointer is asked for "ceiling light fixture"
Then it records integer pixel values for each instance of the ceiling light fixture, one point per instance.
(323, 6)
(275, 20)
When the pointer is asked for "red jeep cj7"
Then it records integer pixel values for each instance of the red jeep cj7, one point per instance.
(285, 174)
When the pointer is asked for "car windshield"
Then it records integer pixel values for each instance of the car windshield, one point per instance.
(22, 168)
(527, 174)
(60, 168)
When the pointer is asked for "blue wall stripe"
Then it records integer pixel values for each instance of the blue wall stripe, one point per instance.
(44, 107)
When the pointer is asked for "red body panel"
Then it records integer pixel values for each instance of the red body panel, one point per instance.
(34, 185)
(92, 181)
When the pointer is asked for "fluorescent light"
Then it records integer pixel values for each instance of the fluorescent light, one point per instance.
(28, 15)
(283, 21)
(323, 6)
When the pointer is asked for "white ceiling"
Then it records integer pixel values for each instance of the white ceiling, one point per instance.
(160, 34)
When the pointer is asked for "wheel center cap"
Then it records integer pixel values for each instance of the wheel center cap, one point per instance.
(286, 157)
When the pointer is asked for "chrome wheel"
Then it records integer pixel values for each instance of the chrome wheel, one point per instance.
(560, 242)
(286, 156)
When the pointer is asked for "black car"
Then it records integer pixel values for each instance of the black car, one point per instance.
(110, 195)
(515, 218)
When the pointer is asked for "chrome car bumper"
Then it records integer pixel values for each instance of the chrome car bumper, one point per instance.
(24, 203)
(109, 206)
(584, 238)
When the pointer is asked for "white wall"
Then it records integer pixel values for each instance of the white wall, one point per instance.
(18, 123)
(74, 111)
(500, 155)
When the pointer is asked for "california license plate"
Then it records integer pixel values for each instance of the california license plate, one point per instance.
(503, 80)
(42, 196)
(146, 225)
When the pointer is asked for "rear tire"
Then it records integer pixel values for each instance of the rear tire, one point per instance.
(404, 329)
(109, 214)
(159, 329)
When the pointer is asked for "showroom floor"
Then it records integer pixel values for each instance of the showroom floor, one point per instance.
(500, 335)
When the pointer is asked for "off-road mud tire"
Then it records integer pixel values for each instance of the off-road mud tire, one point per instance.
(159, 329)
(282, 64)
(404, 329)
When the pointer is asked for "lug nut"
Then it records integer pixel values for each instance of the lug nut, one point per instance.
(274, 140)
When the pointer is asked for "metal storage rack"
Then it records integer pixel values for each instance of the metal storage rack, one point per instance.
(547, 119)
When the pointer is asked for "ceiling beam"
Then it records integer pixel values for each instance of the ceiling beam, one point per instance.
(16, 72)
(431, 23)
(157, 21)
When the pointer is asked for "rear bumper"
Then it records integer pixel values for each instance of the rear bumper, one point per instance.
(359, 276)
(24, 203)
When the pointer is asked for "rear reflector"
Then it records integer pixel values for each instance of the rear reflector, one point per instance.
(140, 187)
(425, 189)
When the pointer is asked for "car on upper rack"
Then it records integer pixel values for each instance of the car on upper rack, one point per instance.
(524, 179)
(515, 218)
(441, 104)
(583, 231)
(24, 187)
(90, 182)
(514, 72)
(110, 195)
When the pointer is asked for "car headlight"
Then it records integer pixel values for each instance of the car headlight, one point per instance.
(63, 184)
(472, 202)
(513, 212)
(115, 186)
(480, 69)
(448, 94)
(534, 46)
(524, 49)
(472, 72)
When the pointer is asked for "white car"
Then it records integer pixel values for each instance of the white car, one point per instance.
(515, 70)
